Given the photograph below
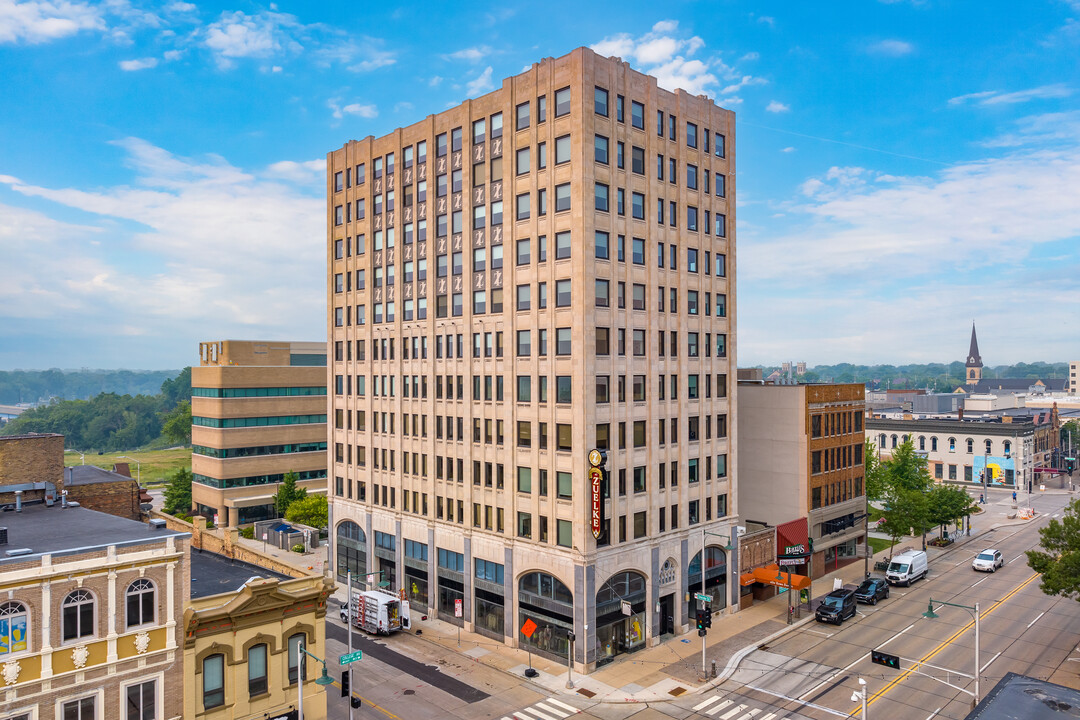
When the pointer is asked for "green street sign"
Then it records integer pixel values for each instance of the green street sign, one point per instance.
(704, 598)
(351, 657)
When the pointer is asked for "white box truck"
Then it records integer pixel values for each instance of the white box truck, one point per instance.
(377, 611)
(907, 567)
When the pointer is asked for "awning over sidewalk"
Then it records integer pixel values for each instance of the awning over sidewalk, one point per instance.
(768, 575)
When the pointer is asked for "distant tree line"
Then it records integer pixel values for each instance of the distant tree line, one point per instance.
(938, 377)
(31, 386)
(110, 421)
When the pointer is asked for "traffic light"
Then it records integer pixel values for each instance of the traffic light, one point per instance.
(700, 619)
(879, 658)
(344, 683)
(708, 616)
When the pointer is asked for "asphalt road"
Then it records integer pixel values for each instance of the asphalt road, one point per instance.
(812, 672)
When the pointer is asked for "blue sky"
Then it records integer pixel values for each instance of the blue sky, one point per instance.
(902, 167)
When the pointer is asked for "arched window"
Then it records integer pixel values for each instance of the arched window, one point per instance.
(970, 446)
(922, 442)
(14, 624)
(669, 571)
(1008, 447)
(213, 680)
(952, 444)
(297, 664)
(933, 444)
(257, 676)
(881, 440)
(78, 615)
(141, 603)
(989, 446)
(545, 600)
(351, 550)
(894, 441)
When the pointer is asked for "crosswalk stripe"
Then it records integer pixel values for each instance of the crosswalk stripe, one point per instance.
(563, 705)
(770, 716)
(732, 713)
(718, 708)
(539, 714)
(552, 710)
(522, 716)
(750, 715)
(707, 702)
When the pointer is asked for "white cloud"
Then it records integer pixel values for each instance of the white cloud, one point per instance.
(472, 54)
(669, 56)
(891, 48)
(750, 56)
(357, 109)
(298, 172)
(435, 81)
(995, 97)
(788, 149)
(181, 7)
(216, 247)
(775, 106)
(480, 84)
(138, 64)
(38, 21)
(765, 19)
(238, 35)
(744, 81)
(403, 106)
(171, 55)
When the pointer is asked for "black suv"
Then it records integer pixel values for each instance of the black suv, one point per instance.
(836, 607)
(872, 590)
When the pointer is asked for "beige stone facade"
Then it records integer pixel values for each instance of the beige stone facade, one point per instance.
(245, 636)
(259, 411)
(801, 456)
(513, 282)
(87, 616)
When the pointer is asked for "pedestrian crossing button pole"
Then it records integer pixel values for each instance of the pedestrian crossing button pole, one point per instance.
(860, 694)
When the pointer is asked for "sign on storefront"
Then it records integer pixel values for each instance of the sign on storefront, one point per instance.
(596, 489)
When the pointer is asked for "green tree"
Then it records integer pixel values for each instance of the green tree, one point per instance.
(312, 510)
(178, 493)
(288, 493)
(176, 425)
(908, 470)
(905, 511)
(948, 503)
(873, 473)
(1059, 558)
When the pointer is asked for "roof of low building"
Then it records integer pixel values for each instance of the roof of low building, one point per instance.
(212, 574)
(1019, 696)
(91, 474)
(58, 530)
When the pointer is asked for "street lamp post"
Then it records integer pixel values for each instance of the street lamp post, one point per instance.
(860, 694)
(727, 548)
(323, 679)
(138, 467)
(975, 611)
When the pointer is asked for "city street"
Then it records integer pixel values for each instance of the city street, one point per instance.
(810, 672)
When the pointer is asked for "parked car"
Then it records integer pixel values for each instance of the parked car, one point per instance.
(872, 590)
(836, 607)
(907, 567)
(988, 560)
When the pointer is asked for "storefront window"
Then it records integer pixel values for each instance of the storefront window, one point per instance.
(549, 603)
(715, 578)
(617, 630)
(416, 574)
(351, 552)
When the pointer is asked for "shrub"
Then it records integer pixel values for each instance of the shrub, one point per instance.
(298, 548)
(248, 532)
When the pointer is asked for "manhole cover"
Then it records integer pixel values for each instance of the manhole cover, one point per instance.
(762, 647)
(586, 693)
(408, 692)
(677, 691)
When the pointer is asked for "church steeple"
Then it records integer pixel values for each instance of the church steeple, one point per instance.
(974, 360)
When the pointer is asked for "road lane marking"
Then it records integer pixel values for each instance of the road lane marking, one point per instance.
(818, 632)
(988, 662)
(799, 702)
(706, 703)
(1037, 618)
(983, 580)
(714, 710)
(522, 716)
(1016, 558)
(890, 640)
(563, 705)
(548, 709)
(932, 715)
(770, 716)
(929, 656)
(732, 713)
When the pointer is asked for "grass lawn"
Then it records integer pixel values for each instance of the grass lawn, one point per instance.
(155, 465)
(878, 544)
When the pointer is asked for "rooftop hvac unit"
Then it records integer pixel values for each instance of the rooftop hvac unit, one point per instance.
(18, 551)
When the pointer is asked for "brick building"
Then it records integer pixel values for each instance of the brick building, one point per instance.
(526, 292)
(88, 615)
(32, 463)
(108, 492)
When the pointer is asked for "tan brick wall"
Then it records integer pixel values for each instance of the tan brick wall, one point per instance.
(30, 459)
(115, 498)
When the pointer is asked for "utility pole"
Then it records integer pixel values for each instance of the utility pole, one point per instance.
(349, 628)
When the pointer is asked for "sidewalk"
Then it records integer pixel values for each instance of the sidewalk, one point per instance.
(673, 668)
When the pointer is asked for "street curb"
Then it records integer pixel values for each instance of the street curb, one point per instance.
(733, 663)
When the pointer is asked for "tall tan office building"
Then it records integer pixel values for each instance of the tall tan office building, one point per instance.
(537, 273)
(258, 411)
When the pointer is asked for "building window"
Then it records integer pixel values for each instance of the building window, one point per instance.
(564, 533)
(213, 672)
(601, 197)
(297, 662)
(562, 245)
(257, 675)
(78, 615)
(14, 628)
(600, 149)
(637, 115)
(562, 197)
(141, 701)
(81, 709)
(522, 116)
(600, 101)
(562, 149)
(602, 250)
(141, 603)
(562, 102)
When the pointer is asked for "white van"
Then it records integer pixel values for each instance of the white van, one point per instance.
(906, 567)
